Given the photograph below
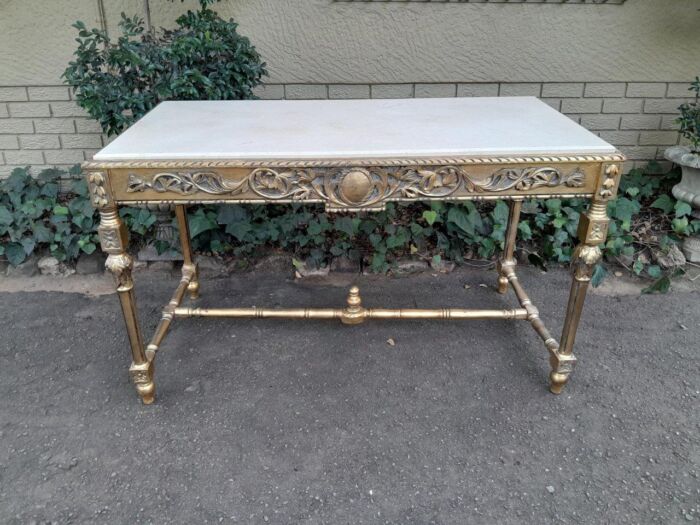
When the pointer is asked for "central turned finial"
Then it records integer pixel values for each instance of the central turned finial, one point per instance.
(353, 313)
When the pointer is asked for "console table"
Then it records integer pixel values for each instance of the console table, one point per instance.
(353, 156)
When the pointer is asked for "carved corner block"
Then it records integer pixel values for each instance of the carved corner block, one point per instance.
(114, 237)
(608, 182)
(98, 186)
(593, 229)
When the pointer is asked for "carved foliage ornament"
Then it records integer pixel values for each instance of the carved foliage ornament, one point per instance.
(98, 192)
(356, 187)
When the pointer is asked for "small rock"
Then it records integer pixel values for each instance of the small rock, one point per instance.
(550, 489)
(210, 265)
(90, 264)
(391, 342)
(674, 258)
(52, 266)
(345, 264)
(442, 266)
(410, 266)
(63, 461)
(149, 253)
(274, 263)
(194, 387)
(618, 274)
(161, 266)
(83, 314)
(28, 268)
(303, 271)
(626, 260)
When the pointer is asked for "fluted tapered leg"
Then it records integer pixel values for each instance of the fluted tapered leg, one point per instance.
(114, 240)
(592, 232)
(186, 247)
(507, 258)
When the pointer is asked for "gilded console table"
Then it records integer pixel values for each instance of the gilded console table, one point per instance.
(352, 156)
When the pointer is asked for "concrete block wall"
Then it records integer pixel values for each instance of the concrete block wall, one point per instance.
(43, 127)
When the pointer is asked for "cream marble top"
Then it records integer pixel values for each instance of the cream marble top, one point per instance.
(351, 129)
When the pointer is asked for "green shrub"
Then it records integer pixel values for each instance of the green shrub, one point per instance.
(202, 58)
(689, 120)
(645, 220)
(34, 215)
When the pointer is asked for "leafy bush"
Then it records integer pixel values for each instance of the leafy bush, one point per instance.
(202, 58)
(34, 215)
(690, 118)
(645, 222)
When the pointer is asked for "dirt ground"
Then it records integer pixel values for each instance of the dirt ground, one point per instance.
(263, 421)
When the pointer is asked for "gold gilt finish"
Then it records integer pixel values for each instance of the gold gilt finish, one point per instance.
(353, 185)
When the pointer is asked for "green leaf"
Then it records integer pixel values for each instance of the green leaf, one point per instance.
(60, 210)
(659, 286)
(525, 230)
(458, 216)
(654, 271)
(238, 229)
(89, 247)
(200, 223)
(15, 253)
(638, 266)
(5, 216)
(680, 226)
(500, 212)
(553, 206)
(624, 208)
(664, 203)
(682, 209)
(559, 222)
(345, 225)
(598, 275)
(28, 244)
(430, 216)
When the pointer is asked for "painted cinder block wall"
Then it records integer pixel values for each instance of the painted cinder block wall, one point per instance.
(620, 70)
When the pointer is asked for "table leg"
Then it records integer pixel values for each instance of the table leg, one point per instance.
(183, 227)
(592, 231)
(507, 259)
(114, 241)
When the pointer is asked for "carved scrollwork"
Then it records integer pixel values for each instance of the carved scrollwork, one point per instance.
(531, 178)
(186, 183)
(356, 187)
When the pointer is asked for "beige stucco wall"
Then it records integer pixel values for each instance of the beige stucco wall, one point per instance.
(321, 41)
(619, 70)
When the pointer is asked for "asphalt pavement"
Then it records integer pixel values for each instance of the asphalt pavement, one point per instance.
(277, 421)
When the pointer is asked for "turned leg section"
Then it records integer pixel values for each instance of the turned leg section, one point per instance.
(507, 260)
(186, 247)
(114, 240)
(592, 231)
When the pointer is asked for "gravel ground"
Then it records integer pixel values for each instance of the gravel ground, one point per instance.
(267, 421)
